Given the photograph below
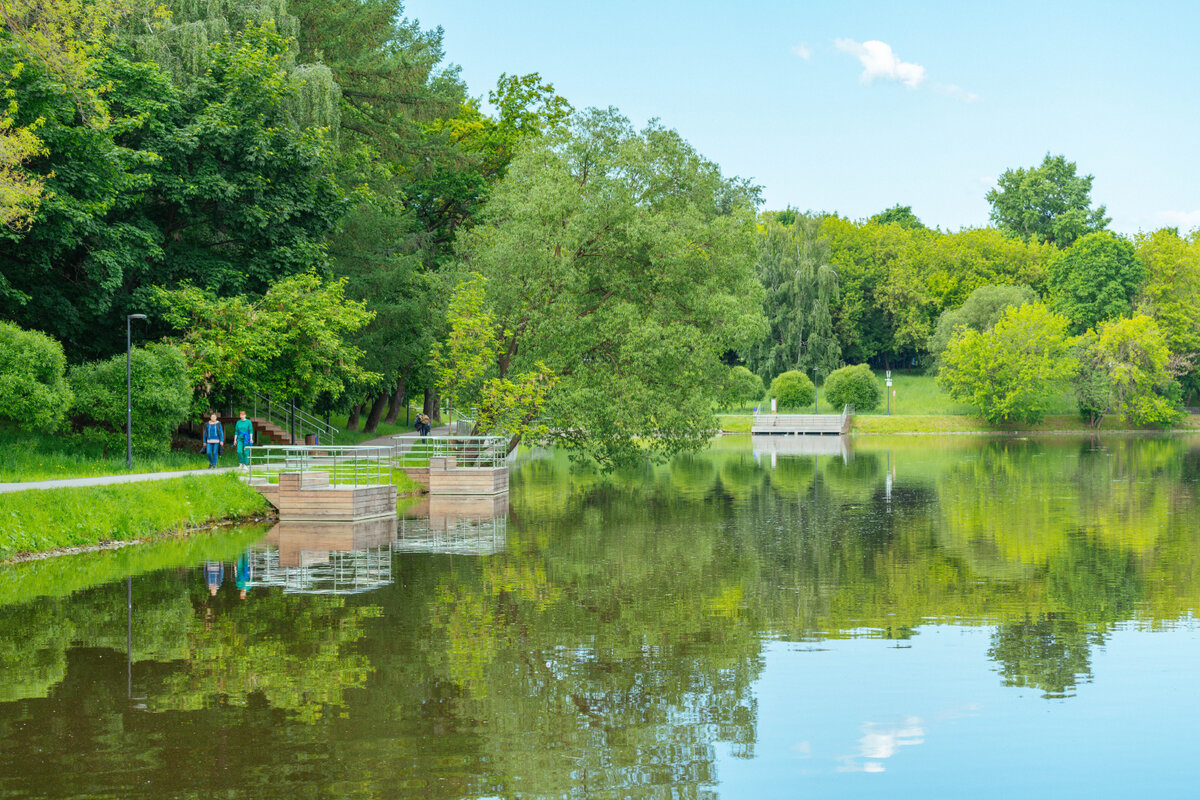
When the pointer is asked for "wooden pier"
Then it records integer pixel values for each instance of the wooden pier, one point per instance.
(309, 496)
(810, 424)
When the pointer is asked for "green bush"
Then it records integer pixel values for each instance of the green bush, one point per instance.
(742, 386)
(856, 386)
(793, 389)
(979, 312)
(162, 397)
(34, 394)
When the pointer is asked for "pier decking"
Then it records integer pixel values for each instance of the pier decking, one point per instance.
(813, 424)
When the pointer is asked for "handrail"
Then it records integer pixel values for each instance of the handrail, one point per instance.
(277, 414)
(360, 465)
(468, 452)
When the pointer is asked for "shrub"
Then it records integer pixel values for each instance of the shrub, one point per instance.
(1014, 371)
(742, 386)
(793, 389)
(162, 397)
(978, 312)
(34, 394)
(856, 386)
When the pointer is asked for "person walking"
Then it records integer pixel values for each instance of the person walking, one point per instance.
(243, 437)
(214, 437)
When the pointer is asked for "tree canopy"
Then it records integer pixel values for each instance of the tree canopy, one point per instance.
(1048, 203)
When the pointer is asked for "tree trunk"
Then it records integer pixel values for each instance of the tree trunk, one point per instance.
(352, 420)
(376, 413)
(397, 402)
(433, 405)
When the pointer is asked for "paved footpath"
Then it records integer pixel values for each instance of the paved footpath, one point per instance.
(388, 441)
(105, 480)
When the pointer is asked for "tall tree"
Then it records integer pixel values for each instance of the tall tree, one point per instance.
(801, 288)
(1171, 295)
(624, 262)
(1048, 203)
(1095, 280)
(898, 215)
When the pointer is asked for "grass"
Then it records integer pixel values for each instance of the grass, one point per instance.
(48, 519)
(39, 457)
(347, 438)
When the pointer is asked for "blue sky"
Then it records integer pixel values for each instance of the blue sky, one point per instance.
(856, 106)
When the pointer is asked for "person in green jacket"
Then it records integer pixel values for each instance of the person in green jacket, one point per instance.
(243, 436)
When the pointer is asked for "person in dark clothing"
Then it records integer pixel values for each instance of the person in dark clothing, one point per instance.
(214, 437)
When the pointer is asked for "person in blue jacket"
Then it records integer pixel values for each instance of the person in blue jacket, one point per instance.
(214, 437)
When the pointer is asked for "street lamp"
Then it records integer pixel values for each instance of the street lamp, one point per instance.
(129, 388)
(815, 391)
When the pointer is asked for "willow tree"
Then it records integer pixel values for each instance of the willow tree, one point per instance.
(623, 262)
(802, 286)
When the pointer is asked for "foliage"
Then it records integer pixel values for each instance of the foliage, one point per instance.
(289, 344)
(793, 389)
(1126, 373)
(856, 386)
(34, 394)
(1171, 296)
(33, 521)
(801, 288)
(978, 312)
(898, 215)
(742, 386)
(1011, 372)
(1047, 203)
(1095, 280)
(622, 261)
(161, 398)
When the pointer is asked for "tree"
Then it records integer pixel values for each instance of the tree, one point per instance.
(742, 386)
(1047, 203)
(1095, 280)
(856, 386)
(462, 361)
(1171, 295)
(34, 394)
(793, 389)
(291, 343)
(898, 215)
(801, 287)
(623, 262)
(979, 312)
(1126, 372)
(1012, 372)
(161, 395)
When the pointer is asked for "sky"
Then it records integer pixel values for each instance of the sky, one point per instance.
(853, 107)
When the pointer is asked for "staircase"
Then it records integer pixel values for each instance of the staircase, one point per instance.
(265, 431)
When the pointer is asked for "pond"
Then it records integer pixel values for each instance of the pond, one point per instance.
(899, 617)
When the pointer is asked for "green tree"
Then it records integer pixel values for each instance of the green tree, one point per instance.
(979, 312)
(623, 262)
(1171, 295)
(1047, 203)
(898, 215)
(1126, 373)
(34, 394)
(801, 288)
(742, 386)
(1011, 372)
(161, 394)
(793, 389)
(1095, 280)
(291, 343)
(856, 386)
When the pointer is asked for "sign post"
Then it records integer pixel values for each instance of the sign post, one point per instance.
(891, 393)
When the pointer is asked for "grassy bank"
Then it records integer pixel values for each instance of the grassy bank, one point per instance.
(41, 457)
(48, 519)
(946, 423)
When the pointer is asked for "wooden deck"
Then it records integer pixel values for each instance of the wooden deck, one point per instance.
(447, 478)
(308, 496)
(812, 424)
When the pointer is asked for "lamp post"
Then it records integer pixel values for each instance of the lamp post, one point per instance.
(129, 388)
(815, 391)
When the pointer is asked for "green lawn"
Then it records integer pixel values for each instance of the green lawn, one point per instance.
(347, 438)
(40, 457)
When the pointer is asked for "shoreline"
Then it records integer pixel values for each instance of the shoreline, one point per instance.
(963, 425)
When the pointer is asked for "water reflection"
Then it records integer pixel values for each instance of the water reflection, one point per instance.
(651, 633)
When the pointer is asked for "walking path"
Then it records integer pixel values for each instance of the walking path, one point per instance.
(386, 441)
(104, 480)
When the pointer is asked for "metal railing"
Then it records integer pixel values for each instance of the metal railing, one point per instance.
(362, 465)
(279, 414)
(468, 452)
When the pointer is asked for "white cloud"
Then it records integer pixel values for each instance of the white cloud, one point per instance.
(1184, 220)
(957, 92)
(881, 741)
(802, 51)
(879, 61)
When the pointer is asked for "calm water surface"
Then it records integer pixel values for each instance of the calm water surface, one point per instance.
(917, 617)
